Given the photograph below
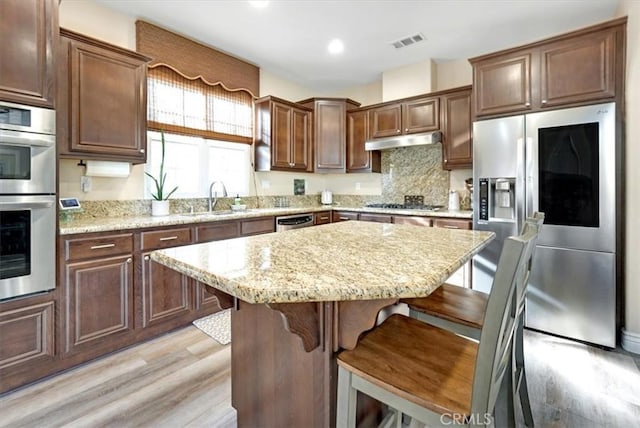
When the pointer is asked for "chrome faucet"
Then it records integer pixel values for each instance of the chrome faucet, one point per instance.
(213, 195)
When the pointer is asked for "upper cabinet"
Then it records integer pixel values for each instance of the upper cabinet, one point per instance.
(282, 134)
(581, 67)
(329, 132)
(29, 33)
(457, 147)
(405, 117)
(359, 159)
(102, 108)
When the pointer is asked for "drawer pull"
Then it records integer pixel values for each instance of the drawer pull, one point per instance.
(129, 260)
(99, 247)
(147, 258)
(324, 218)
(168, 238)
(448, 226)
(344, 218)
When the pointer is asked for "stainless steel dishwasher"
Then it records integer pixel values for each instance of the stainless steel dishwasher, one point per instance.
(294, 222)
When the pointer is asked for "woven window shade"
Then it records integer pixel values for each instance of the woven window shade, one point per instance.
(212, 90)
(193, 106)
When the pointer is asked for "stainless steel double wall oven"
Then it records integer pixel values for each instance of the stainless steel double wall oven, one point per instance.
(27, 200)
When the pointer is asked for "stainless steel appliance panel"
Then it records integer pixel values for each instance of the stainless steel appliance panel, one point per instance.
(570, 294)
(498, 151)
(27, 163)
(578, 172)
(27, 244)
(294, 222)
(18, 117)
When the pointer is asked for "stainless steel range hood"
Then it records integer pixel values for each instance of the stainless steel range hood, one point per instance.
(403, 141)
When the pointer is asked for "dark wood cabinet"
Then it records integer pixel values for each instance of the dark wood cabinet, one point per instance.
(322, 217)
(282, 136)
(29, 34)
(457, 144)
(217, 231)
(377, 218)
(99, 303)
(452, 223)
(581, 67)
(410, 116)
(102, 100)
(97, 292)
(166, 294)
(359, 159)
(329, 136)
(421, 115)
(413, 220)
(337, 216)
(256, 226)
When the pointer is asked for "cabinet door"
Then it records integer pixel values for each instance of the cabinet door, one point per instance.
(99, 303)
(359, 159)
(209, 300)
(281, 136)
(323, 217)
(329, 136)
(165, 293)
(376, 218)
(452, 223)
(26, 335)
(503, 84)
(579, 69)
(108, 103)
(28, 30)
(301, 140)
(414, 220)
(385, 121)
(457, 149)
(421, 115)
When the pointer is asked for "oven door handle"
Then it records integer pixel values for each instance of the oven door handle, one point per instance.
(25, 205)
(26, 139)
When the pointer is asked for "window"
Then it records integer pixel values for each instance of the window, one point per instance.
(193, 163)
(196, 107)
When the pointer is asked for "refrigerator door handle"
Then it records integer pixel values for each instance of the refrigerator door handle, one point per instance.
(531, 204)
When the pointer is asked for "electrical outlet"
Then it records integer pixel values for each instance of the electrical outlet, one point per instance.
(358, 186)
(85, 183)
(266, 184)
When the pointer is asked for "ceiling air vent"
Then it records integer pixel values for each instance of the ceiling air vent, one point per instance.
(409, 40)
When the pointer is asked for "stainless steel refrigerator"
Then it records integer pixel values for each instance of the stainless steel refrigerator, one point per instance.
(562, 163)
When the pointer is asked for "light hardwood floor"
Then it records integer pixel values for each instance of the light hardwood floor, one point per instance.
(182, 379)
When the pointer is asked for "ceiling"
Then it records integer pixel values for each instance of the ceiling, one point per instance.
(289, 38)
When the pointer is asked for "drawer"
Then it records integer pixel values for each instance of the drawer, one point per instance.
(165, 238)
(344, 216)
(414, 220)
(257, 226)
(217, 231)
(97, 247)
(452, 223)
(377, 218)
(323, 217)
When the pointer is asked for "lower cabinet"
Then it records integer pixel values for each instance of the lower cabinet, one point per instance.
(377, 218)
(343, 216)
(322, 217)
(98, 303)
(165, 293)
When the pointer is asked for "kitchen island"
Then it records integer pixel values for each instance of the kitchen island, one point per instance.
(303, 295)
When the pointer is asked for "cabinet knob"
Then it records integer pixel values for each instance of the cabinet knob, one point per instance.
(406, 129)
(141, 150)
(527, 104)
(147, 258)
(398, 131)
(129, 260)
(445, 161)
(544, 101)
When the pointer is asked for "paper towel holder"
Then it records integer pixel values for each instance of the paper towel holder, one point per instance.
(95, 168)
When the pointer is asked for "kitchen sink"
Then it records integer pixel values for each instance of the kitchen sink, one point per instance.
(207, 213)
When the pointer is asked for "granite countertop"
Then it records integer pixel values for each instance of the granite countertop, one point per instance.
(108, 224)
(337, 261)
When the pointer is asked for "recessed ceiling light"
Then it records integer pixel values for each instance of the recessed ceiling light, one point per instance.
(335, 46)
(259, 4)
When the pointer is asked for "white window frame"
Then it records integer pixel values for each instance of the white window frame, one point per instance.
(236, 184)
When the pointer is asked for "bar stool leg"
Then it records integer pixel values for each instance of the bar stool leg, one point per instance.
(521, 378)
(346, 408)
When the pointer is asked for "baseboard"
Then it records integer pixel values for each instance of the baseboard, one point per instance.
(631, 341)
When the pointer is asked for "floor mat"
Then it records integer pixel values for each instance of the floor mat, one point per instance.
(218, 326)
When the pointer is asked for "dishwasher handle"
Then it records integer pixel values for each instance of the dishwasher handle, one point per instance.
(294, 221)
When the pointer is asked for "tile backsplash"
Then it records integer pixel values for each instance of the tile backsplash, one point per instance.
(414, 171)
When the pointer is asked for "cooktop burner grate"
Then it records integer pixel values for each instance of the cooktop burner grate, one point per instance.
(424, 207)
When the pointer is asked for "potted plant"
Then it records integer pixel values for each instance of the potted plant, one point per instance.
(160, 203)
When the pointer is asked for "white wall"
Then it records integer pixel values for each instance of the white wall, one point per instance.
(631, 334)
(414, 79)
(452, 74)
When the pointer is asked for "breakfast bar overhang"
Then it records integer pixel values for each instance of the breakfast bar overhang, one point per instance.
(301, 296)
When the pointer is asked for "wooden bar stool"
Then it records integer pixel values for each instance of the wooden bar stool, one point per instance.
(432, 374)
(462, 310)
